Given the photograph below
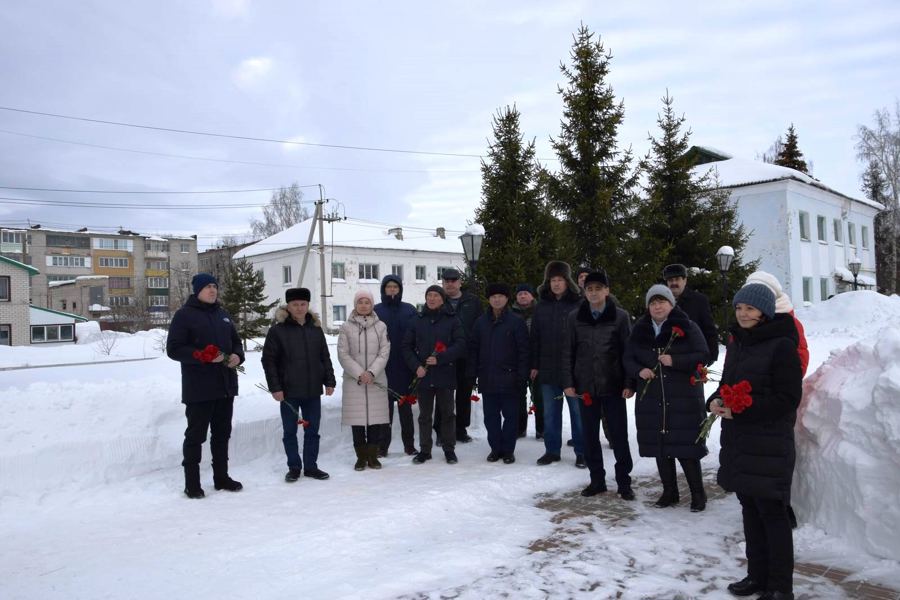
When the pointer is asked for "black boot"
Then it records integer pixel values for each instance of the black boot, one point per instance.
(666, 468)
(360, 458)
(694, 476)
(372, 456)
(192, 487)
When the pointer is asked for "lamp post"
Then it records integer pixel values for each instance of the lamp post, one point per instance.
(471, 243)
(724, 256)
(854, 265)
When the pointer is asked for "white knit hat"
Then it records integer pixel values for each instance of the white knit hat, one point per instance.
(363, 293)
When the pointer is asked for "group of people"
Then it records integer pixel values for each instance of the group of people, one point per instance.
(568, 342)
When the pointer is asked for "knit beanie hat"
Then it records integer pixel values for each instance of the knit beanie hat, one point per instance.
(758, 296)
(201, 280)
(438, 289)
(363, 293)
(659, 290)
(297, 294)
(597, 277)
(526, 287)
(497, 288)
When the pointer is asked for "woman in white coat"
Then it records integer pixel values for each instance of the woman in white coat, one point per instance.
(363, 351)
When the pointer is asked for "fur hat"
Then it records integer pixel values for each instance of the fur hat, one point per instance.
(438, 289)
(297, 294)
(598, 276)
(363, 293)
(758, 296)
(676, 270)
(201, 280)
(497, 288)
(557, 268)
(661, 291)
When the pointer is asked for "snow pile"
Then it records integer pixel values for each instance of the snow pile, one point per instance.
(847, 478)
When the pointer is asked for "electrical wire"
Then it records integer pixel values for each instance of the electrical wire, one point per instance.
(74, 191)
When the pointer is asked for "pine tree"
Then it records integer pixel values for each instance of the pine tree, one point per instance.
(593, 191)
(244, 299)
(519, 229)
(790, 155)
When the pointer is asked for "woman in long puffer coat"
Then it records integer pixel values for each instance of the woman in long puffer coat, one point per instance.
(363, 351)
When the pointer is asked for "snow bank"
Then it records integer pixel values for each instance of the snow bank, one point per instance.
(847, 478)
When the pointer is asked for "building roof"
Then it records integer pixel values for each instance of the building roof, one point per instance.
(358, 233)
(77, 318)
(31, 270)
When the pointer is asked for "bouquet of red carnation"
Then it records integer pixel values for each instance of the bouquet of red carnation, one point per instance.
(211, 353)
(439, 348)
(701, 374)
(407, 399)
(474, 397)
(736, 397)
(677, 332)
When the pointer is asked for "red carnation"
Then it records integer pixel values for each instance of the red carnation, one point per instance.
(693, 380)
(407, 399)
(303, 422)
(531, 409)
(677, 331)
(440, 347)
(474, 398)
(208, 354)
(586, 397)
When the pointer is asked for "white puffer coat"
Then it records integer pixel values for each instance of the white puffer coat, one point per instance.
(363, 345)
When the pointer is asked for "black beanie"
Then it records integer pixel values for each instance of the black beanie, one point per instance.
(439, 290)
(597, 277)
(497, 288)
(201, 280)
(526, 287)
(297, 294)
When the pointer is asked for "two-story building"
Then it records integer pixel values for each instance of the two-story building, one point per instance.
(14, 301)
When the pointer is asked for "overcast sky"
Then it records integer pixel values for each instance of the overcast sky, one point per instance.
(415, 76)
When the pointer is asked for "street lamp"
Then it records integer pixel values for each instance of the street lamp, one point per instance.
(724, 256)
(854, 265)
(471, 243)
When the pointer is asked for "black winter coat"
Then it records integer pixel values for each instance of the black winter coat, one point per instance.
(397, 316)
(757, 455)
(669, 415)
(498, 352)
(467, 310)
(428, 328)
(525, 312)
(295, 357)
(194, 326)
(593, 348)
(548, 326)
(696, 306)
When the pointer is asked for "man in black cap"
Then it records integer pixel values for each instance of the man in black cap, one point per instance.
(208, 388)
(297, 364)
(467, 308)
(695, 304)
(524, 307)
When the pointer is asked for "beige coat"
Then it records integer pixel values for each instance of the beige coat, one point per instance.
(363, 345)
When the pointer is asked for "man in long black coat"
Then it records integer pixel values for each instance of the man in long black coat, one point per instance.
(695, 305)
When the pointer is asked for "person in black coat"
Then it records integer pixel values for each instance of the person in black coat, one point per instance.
(670, 412)
(207, 388)
(695, 305)
(524, 306)
(398, 316)
(435, 326)
(595, 337)
(498, 353)
(297, 364)
(757, 454)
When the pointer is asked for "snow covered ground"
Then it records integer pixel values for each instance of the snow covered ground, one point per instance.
(91, 503)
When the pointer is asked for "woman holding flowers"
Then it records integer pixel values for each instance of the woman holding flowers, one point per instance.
(363, 351)
(757, 401)
(662, 353)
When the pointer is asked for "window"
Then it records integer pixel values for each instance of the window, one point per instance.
(113, 244)
(52, 333)
(420, 272)
(440, 271)
(337, 270)
(156, 246)
(286, 274)
(5, 335)
(158, 300)
(804, 226)
(157, 282)
(60, 278)
(69, 261)
(338, 313)
(120, 283)
(838, 238)
(368, 271)
(823, 288)
(12, 237)
(68, 241)
(185, 247)
(157, 265)
(4, 289)
(864, 233)
(113, 262)
(851, 234)
(119, 301)
(64, 303)
(397, 270)
(820, 225)
(807, 289)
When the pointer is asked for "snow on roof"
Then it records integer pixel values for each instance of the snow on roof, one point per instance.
(358, 233)
(74, 279)
(845, 275)
(737, 172)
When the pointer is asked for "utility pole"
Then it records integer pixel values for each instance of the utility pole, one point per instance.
(322, 290)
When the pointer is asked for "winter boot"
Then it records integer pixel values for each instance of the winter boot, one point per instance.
(192, 487)
(361, 458)
(669, 496)
(694, 476)
(372, 456)
(228, 484)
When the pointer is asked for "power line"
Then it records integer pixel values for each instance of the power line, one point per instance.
(108, 205)
(37, 189)
(238, 137)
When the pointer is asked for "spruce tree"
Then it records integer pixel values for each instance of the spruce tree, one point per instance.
(244, 299)
(519, 230)
(593, 191)
(790, 155)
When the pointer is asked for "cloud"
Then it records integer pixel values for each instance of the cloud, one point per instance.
(232, 9)
(252, 72)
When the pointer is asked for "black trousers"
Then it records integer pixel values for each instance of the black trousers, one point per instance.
(366, 434)
(214, 416)
(463, 403)
(433, 401)
(770, 542)
(407, 427)
(613, 407)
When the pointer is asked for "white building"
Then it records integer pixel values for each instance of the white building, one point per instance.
(801, 231)
(358, 254)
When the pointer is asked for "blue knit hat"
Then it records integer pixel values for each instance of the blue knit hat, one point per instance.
(758, 296)
(201, 280)
(526, 287)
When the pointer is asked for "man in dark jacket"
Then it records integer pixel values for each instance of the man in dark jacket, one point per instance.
(207, 388)
(695, 305)
(431, 347)
(498, 353)
(524, 307)
(297, 364)
(397, 315)
(558, 297)
(595, 338)
(467, 308)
